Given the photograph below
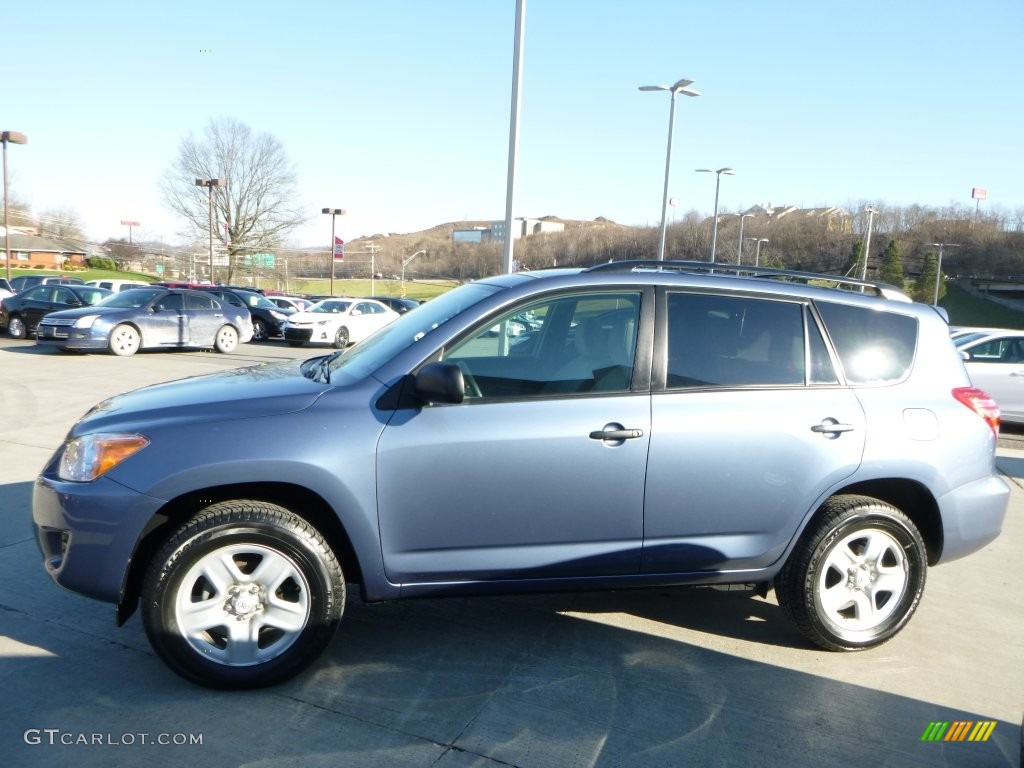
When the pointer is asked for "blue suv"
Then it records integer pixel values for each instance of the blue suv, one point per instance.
(636, 424)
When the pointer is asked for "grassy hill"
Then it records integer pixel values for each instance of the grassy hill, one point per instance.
(966, 308)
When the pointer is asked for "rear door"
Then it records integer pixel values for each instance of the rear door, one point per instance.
(204, 315)
(751, 425)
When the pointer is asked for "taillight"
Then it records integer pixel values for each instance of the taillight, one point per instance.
(979, 401)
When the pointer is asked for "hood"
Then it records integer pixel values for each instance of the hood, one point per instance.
(312, 317)
(243, 393)
(77, 312)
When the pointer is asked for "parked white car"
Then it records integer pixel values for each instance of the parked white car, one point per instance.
(340, 321)
(118, 285)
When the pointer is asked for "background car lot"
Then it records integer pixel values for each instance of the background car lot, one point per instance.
(654, 677)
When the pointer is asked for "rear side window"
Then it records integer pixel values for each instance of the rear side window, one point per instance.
(196, 301)
(874, 347)
(734, 341)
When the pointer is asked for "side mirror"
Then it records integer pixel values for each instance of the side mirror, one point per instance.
(965, 354)
(440, 383)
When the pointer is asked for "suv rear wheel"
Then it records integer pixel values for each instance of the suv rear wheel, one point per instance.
(856, 576)
(244, 595)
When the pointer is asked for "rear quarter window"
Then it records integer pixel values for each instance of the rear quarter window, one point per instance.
(874, 346)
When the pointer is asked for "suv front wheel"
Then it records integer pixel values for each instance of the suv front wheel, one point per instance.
(856, 576)
(244, 595)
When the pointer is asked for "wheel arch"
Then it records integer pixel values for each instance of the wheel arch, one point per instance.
(300, 500)
(911, 498)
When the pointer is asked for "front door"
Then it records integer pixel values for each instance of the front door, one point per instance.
(540, 471)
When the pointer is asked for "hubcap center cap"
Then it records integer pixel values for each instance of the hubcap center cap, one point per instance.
(861, 576)
(243, 601)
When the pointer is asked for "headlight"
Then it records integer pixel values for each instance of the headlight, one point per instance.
(86, 321)
(278, 315)
(87, 457)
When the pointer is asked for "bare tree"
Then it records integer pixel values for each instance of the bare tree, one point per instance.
(61, 223)
(256, 210)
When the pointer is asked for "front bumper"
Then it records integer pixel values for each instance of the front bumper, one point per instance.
(88, 532)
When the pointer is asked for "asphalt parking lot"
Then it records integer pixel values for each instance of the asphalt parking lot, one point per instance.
(646, 678)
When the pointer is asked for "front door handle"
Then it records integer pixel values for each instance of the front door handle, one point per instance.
(616, 434)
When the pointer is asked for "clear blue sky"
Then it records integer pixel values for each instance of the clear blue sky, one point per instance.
(398, 110)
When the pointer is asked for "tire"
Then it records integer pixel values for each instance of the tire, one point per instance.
(259, 331)
(124, 340)
(16, 327)
(856, 576)
(226, 339)
(341, 338)
(246, 594)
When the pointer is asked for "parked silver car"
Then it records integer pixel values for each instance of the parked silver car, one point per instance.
(995, 362)
(144, 318)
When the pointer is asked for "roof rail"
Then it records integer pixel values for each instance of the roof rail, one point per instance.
(745, 270)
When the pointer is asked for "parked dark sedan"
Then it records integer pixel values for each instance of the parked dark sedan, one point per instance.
(267, 317)
(397, 303)
(148, 317)
(21, 313)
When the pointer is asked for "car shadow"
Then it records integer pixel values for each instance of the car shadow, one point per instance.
(586, 679)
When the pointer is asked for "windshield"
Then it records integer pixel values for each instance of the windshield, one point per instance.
(367, 356)
(131, 299)
(256, 300)
(331, 307)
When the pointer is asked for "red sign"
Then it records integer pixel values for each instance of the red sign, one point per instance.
(979, 193)
(339, 249)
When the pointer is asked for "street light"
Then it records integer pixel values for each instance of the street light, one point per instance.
(739, 249)
(867, 243)
(680, 86)
(403, 270)
(938, 271)
(718, 181)
(757, 253)
(9, 137)
(210, 184)
(333, 212)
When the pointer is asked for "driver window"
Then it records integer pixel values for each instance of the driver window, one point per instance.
(570, 344)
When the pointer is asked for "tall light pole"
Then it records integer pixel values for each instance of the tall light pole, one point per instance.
(739, 249)
(404, 263)
(333, 212)
(210, 184)
(680, 86)
(9, 137)
(718, 181)
(938, 271)
(867, 242)
(513, 134)
(757, 253)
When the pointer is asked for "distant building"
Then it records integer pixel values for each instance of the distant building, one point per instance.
(29, 251)
(475, 235)
(496, 232)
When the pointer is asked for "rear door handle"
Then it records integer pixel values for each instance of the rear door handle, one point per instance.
(831, 427)
(616, 434)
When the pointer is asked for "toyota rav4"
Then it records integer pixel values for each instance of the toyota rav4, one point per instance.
(653, 423)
